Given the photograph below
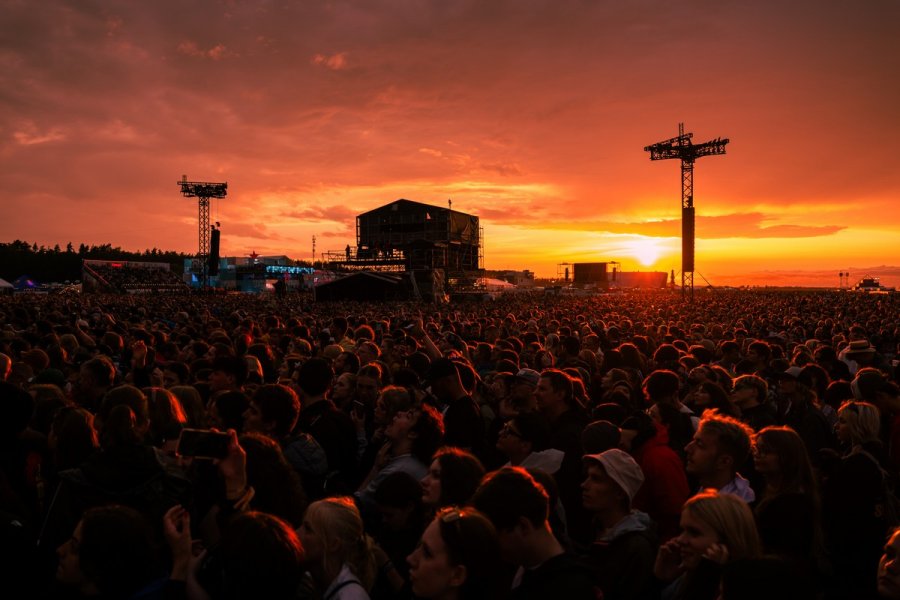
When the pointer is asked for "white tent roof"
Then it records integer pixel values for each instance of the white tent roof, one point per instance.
(4, 283)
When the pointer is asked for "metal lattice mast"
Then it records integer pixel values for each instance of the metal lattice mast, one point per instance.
(681, 148)
(203, 191)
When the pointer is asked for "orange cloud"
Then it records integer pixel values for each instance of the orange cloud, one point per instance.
(335, 62)
(217, 52)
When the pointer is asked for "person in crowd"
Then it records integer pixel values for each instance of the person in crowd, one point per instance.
(328, 425)
(278, 489)
(525, 441)
(228, 374)
(662, 387)
(457, 558)
(710, 395)
(399, 503)
(258, 556)
(95, 378)
(452, 478)
(716, 529)
(413, 436)
(888, 582)
(273, 411)
(110, 554)
(338, 553)
(788, 511)
(567, 419)
(750, 393)
(666, 487)
(464, 427)
(343, 391)
(798, 408)
(518, 506)
(623, 551)
(125, 471)
(720, 446)
(854, 500)
(226, 411)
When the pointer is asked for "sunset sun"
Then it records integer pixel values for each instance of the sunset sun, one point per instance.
(645, 251)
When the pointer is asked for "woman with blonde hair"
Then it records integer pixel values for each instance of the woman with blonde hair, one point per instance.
(854, 500)
(339, 554)
(715, 529)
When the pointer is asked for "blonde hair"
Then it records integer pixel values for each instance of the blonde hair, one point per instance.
(339, 523)
(731, 519)
(863, 419)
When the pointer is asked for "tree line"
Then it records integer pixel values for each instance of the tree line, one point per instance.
(47, 264)
(58, 264)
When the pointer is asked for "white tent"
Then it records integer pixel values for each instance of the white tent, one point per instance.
(497, 284)
(5, 285)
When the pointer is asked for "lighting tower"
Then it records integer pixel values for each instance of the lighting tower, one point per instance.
(681, 147)
(203, 191)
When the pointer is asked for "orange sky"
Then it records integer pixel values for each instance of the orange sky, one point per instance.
(531, 114)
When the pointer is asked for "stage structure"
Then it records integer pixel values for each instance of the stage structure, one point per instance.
(681, 148)
(438, 247)
(203, 191)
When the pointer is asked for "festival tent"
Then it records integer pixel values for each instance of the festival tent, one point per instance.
(5, 286)
(364, 286)
(496, 285)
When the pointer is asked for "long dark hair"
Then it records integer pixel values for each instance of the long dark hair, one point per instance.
(461, 472)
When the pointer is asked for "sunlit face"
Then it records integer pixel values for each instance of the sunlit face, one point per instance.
(696, 537)
(701, 453)
(431, 485)
(430, 571)
(889, 569)
(69, 570)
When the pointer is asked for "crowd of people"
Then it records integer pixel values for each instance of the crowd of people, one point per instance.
(628, 446)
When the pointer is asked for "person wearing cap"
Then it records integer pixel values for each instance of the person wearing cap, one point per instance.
(797, 408)
(624, 547)
(521, 391)
(518, 506)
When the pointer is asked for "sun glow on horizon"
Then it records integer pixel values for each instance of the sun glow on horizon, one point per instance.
(645, 250)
